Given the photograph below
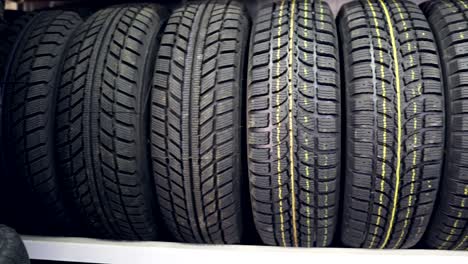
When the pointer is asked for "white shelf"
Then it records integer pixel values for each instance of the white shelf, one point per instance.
(101, 251)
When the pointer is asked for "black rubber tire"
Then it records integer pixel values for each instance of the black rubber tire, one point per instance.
(8, 36)
(449, 223)
(294, 124)
(394, 123)
(12, 250)
(2, 11)
(102, 121)
(196, 121)
(29, 101)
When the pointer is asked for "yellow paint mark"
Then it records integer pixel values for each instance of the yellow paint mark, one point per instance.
(463, 3)
(455, 226)
(457, 247)
(415, 140)
(325, 239)
(290, 114)
(451, 5)
(306, 57)
(413, 177)
(278, 128)
(459, 214)
(456, 223)
(309, 232)
(384, 120)
(455, 10)
(399, 124)
(306, 72)
(322, 24)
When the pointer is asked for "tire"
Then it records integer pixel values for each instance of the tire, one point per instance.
(29, 103)
(2, 11)
(12, 250)
(293, 119)
(394, 121)
(8, 37)
(196, 121)
(102, 121)
(449, 223)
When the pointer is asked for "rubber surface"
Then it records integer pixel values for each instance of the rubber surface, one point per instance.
(394, 123)
(8, 35)
(2, 11)
(12, 250)
(102, 121)
(293, 119)
(29, 108)
(196, 121)
(449, 224)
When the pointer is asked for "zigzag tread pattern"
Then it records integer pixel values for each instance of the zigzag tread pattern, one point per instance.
(8, 36)
(196, 115)
(30, 91)
(294, 83)
(449, 224)
(102, 116)
(393, 124)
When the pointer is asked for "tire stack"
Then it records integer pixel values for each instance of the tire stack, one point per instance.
(197, 123)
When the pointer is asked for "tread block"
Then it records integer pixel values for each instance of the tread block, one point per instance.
(196, 121)
(101, 125)
(395, 112)
(449, 228)
(294, 139)
(38, 42)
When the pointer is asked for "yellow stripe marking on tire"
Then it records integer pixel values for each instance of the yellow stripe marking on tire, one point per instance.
(458, 247)
(308, 197)
(325, 228)
(384, 120)
(278, 128)
(399, 123)
(455, 224)
(290, 114)
(415, 140)
(322, 24)
(463, 3)
(306, 45)
(459, 214)
(454, 9)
